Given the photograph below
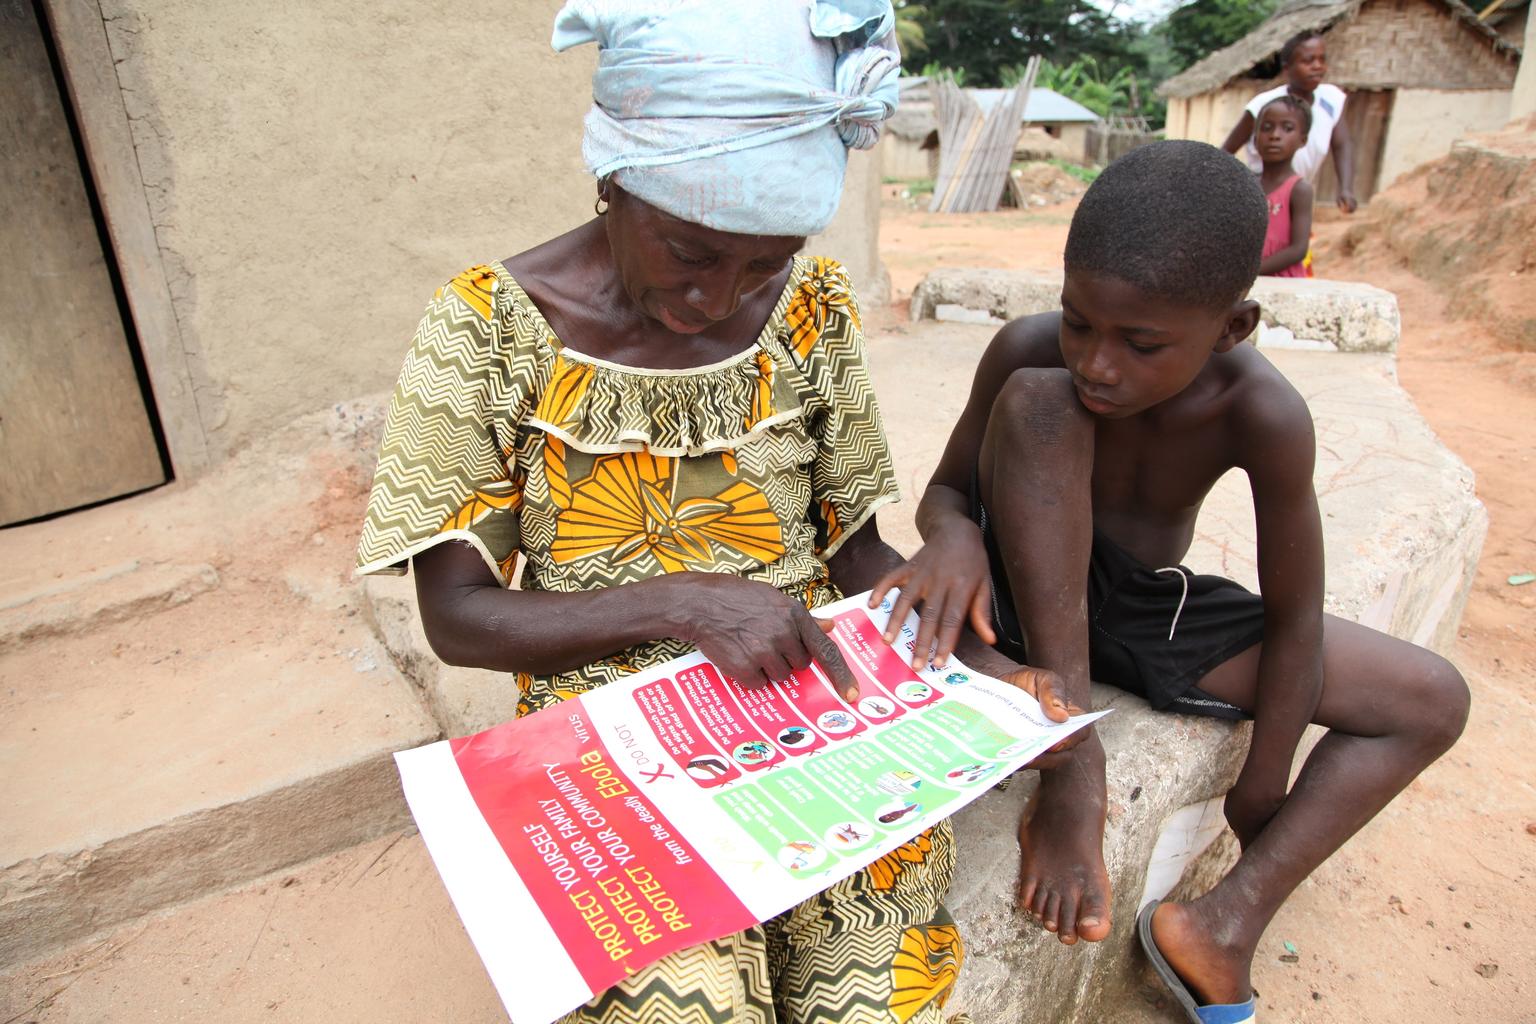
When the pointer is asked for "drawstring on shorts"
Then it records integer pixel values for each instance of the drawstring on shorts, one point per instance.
(1183, 596)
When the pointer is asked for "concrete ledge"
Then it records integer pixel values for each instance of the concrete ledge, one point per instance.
(168, 728)
(49, 900)
(108, 595)
(1403, 531)
(462, 700)
(1353, 317)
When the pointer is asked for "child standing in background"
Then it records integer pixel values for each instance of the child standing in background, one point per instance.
(1281, 130)
(1304, 60)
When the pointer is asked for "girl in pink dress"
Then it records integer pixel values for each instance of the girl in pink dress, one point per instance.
(1280, 131)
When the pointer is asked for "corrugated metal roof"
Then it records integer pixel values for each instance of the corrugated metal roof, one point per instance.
(1045, 105)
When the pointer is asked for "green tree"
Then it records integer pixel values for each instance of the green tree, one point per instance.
(909, 30)
(1085, 81)
(985, 36)
(1202, 27)
(934, 69)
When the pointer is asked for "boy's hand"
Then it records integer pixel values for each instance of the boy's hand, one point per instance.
(1250, 806)
(1047, 688)
(951, 582)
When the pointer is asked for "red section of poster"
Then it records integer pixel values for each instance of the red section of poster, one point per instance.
(704, 691)
(617, 884)
(881, 670)
(771, 711)
(701, 762)
(821, 706)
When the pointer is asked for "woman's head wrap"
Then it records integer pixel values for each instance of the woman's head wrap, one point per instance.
(735, 114)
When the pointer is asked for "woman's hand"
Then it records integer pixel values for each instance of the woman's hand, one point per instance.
(755, 633)
(950, 580)
(1346, 202)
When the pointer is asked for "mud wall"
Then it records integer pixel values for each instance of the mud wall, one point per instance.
(1418, 132)
(313, 171)
(1209, 116)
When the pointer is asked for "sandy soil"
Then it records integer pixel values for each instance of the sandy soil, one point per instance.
(1427, 915)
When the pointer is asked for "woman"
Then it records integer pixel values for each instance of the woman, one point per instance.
(1304, 63)
(667, 413)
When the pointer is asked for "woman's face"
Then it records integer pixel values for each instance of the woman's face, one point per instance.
(1308, 66)
(685, 276)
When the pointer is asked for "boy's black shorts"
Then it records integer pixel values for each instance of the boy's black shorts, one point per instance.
(1132, 610)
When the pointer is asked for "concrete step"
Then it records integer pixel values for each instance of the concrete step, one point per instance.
(169, 728)
(1349, 315)
(363, 936)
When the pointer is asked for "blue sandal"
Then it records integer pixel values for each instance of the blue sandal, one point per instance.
(1217, 1013)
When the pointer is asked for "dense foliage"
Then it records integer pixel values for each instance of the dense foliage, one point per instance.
(1200, 28)
(1109, 65)
(985, 36)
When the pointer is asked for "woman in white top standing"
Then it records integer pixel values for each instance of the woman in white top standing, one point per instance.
(1304, 61)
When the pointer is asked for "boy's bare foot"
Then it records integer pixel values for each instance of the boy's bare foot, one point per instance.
(1062, 879)
(1212, 970)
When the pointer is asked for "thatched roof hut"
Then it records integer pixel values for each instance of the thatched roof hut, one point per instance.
(1400, 62)
(1411, 69)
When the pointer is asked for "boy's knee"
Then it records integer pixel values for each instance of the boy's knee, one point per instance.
(1039, 404)
(1444, 705)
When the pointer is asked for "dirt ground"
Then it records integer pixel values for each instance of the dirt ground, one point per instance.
(1429, 914)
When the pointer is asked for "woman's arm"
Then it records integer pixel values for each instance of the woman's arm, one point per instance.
(1240, 134)
(1301, 232)
(1343, 148)
(749, 629)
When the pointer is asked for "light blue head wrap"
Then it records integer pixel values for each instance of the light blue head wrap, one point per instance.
(735, 114)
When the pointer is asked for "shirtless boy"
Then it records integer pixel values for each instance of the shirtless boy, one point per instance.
(1090, 439)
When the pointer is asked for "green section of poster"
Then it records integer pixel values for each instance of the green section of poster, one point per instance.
(987, 739)
(878, 786)
(797, 847)
(938, 756)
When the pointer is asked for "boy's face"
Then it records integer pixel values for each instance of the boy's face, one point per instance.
(1128, 349)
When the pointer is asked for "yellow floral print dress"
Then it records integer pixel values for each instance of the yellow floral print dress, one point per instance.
(597, 474)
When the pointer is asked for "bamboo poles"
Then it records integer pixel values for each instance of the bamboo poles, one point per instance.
(976, 151)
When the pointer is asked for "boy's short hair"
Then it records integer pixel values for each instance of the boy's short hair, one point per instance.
(1298, 106)
(1178, 219)
(1289, 49)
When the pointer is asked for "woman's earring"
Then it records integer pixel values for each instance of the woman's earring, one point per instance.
(600, 207)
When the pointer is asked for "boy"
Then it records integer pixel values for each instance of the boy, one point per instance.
(1090, 439)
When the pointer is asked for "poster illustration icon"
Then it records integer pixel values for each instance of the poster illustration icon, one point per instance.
(836, 722)
(849, 835)
(802, 855)
(795, 736)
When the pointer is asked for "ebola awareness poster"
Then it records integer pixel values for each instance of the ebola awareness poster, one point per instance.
(585, 841)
